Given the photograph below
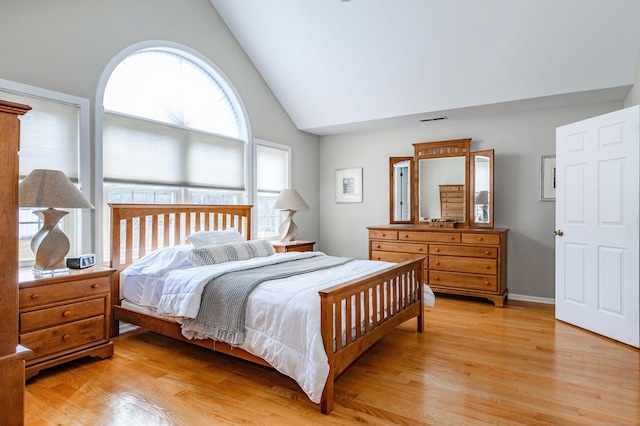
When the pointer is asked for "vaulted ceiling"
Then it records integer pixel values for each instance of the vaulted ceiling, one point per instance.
(339, 66)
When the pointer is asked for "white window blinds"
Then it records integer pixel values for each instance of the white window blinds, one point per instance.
(272, 168)
(142, 151)
(48, 135)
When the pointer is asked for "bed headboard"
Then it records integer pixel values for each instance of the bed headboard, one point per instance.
(138, 229)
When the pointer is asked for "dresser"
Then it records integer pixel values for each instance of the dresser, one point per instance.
(464, 261)
(288, 246)
(452, 204)
(65, 317)
(12, 355)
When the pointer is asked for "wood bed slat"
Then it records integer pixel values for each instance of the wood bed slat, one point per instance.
(374, 304)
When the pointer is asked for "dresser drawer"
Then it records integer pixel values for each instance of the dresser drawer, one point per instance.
(436, 237)
(465, 251)
(463, 264)
(63, 337)
(388, 256)
(46, 294)
(383, 234)
(399, 247)
(463, 281)
(478, 238)
(61, 314)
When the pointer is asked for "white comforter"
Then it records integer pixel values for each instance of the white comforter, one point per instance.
(283, 316)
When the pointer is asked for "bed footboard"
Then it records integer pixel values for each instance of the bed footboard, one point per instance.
(369, 307)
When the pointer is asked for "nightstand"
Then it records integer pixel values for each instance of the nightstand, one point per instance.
(284, 247)
(65, 317)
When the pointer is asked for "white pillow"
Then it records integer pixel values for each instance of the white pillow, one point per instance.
(221, 253)
(207, 238)
(159, 261)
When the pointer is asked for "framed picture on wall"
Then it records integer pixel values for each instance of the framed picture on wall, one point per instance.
(548, 178)
(349, 185)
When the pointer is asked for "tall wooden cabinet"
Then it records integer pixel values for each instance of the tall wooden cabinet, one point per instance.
(464, 261)
(12, 355)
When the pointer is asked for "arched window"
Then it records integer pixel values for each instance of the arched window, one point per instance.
(169, 122)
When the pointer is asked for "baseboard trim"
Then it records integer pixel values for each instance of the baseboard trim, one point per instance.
(535, 299)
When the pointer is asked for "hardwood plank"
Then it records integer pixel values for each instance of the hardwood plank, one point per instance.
(474, 364)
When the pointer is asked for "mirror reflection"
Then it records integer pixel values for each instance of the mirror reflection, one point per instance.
(482, 186)
(401, 191)
(441, 191)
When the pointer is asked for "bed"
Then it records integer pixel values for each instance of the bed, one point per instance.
(354, 312)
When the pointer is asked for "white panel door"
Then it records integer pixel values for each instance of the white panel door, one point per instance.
(597, 225)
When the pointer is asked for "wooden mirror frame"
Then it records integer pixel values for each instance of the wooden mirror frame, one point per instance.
(472, 194)
(392, 189)
(440, 149)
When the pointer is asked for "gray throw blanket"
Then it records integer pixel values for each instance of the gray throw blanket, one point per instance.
(224, 299)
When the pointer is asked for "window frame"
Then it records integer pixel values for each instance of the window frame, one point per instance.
(255, 214)
(78, 225)
(223, 81)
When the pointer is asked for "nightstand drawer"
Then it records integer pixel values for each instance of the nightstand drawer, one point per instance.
(46, 294)
(63, 337)
(61, 314)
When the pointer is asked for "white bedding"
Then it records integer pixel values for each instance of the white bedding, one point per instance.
(283, 316)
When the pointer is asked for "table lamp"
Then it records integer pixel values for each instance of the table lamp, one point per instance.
(50, 188)
(290, 202)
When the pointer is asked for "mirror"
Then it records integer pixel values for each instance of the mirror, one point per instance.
(481, 173)
(400, 189)
(440, 183)
(441, 192)
(443, 185)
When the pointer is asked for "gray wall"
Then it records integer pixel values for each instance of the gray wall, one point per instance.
(64, 46)
(519, 140)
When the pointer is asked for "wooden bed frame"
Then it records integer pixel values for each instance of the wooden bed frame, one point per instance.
(139, 229)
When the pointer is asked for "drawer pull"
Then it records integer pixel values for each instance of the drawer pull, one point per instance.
(480, 239)
(378, 246)
(452, 237)
(487, 267)
(437, 250)
(384, 235)
(487, 252)
(66, 337)
(420, 249)
(95, 286)
(486, 283)
(436, 278)
(35, 296)
(436, 262)
(66, 314)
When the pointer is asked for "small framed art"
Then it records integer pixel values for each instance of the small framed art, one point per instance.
(548, 178)
(349, 185)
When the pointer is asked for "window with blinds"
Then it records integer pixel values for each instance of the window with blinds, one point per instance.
(273, 170)
(49, 139)
(168, 121)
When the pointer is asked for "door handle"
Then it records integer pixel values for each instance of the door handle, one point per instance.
(558, 233)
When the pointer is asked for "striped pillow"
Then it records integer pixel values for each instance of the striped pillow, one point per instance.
(229, 252)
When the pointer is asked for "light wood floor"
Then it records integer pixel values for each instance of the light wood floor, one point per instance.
(474, 364)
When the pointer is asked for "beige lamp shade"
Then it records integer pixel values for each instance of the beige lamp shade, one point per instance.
(289, 201)
(50, 188)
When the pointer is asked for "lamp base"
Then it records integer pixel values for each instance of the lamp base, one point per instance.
(288, 229)
(50, 244)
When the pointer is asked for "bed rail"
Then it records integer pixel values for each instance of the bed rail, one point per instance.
(395, 295)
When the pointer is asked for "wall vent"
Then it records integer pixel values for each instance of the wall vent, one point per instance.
(433, 119)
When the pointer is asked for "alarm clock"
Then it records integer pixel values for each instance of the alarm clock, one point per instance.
(82, 261)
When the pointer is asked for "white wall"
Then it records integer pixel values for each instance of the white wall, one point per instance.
(64, 45)
(519, 140)
(633, 98)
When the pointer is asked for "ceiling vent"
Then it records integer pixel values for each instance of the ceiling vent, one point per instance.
(433, 119)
